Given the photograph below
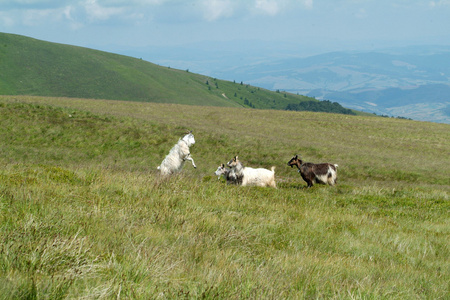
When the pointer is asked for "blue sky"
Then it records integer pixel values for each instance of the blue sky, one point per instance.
(319, 25)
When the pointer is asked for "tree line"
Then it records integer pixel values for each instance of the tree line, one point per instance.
(320, 106)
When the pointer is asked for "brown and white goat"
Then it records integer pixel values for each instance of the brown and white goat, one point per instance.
(250, 176)
(324, 173)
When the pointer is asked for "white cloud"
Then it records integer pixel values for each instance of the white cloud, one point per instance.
(34, 4)
(96, 12)
(67, 12)
(6, 19)
(361, 13)
(217, 9)
(152, 2)
(269, 7)
(434, 4)
(132, 3)
(31, 2)
(34, 17)
(308, 4)
(275, 7)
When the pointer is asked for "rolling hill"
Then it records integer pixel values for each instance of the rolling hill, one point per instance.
(38, 68)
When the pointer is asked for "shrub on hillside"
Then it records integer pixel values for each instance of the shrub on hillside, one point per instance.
(319, 106)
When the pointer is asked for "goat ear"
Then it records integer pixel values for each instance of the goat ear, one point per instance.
(222, 166)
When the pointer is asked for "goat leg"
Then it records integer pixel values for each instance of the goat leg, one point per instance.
(188, 157)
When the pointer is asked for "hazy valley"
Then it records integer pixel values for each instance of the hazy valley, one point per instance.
(411, 82)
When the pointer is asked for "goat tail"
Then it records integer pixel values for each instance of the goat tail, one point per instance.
(273, 169)
(336, 166)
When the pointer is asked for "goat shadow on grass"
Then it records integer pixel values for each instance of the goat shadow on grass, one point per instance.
(292, 185)
(299, 185)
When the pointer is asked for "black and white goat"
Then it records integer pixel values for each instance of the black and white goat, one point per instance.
(178, 155)
(251, 176)
(228, 174)
(324, 173)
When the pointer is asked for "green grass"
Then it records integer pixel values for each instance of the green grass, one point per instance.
(84, 214)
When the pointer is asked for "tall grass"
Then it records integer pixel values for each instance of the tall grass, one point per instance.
(84, 214)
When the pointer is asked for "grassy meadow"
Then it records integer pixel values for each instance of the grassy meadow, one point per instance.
(84, 213)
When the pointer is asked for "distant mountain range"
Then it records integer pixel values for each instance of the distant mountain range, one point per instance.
(409, 82)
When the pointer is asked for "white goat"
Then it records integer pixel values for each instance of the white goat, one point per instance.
(178, 155)
(251, 176)
(228, 174)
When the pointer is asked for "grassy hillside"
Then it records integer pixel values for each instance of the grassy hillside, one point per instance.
(34, 67)
(84, 214)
